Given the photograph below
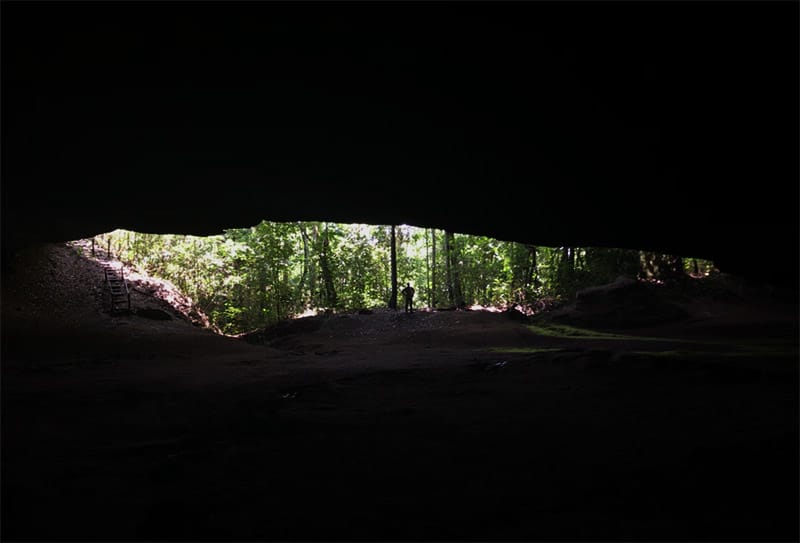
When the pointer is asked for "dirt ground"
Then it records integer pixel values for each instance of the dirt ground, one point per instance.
(449, 425)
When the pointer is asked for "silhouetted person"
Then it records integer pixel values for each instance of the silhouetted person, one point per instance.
(408, 295)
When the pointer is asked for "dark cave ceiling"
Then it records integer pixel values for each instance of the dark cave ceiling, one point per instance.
(664, 126)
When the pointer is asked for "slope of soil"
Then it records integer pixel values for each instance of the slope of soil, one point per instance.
(457, 425)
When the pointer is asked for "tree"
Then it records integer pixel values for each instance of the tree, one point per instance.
(248, 278)
(327, 277)
(448, 269)
(532, 271)
(428, 269)
(393, 246)
(433, 269)
(302, 291)
(454, 291)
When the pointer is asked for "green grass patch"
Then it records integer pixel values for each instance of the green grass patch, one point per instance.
(525, 350)
(565, 331)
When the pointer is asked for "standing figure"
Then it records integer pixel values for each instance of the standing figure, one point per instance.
(408, 295)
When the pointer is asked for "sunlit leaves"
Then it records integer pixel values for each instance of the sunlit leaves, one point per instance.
(246, 278)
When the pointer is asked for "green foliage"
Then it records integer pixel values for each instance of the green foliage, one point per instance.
(246, 278)
(573, 332)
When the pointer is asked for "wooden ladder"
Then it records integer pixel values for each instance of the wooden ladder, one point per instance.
(117, 287)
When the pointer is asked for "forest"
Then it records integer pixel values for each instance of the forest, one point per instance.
(248, 278)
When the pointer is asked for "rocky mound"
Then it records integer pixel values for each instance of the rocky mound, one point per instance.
(62, 285)
(624, 303)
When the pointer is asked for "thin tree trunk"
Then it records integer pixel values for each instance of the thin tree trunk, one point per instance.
(195, 267)
(531, 266)
(283, 295)
(428, 268)
(302, 292)
(330, 291)
(312, 268)
(393, 242)
(448, 270)
(565, 275)
(263, 302)
(566, 259)
(433, 268)
(458, 293)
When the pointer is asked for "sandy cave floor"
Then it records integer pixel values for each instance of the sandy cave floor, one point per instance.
(427, 426)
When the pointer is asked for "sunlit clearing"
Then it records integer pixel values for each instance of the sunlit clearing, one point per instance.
(310, 312)
(489, 308)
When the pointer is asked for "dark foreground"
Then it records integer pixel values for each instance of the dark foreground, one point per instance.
(430, 426)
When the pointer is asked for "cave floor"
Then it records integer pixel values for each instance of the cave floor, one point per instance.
(426, 426)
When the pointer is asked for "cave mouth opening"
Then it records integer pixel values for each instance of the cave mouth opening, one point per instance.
(338, 410)
(248, 278)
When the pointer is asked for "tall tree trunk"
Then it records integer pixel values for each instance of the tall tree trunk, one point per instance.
(195, 267)
(566, 259)
(565, 275)
(454, 292)
(284, 290)
(301, 290)
(327, 277)
(393, 242)
(428, 267)
(312, 268)
(264, 302)
(448, 270)
(532, 265)
(458, 293)
(433, 268)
